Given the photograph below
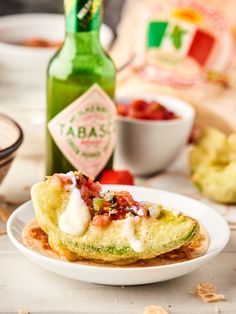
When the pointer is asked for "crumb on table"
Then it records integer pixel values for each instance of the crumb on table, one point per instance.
(23, 312)
(155, 309)
(208, 292)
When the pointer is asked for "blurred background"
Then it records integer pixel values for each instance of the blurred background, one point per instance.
(111, 13)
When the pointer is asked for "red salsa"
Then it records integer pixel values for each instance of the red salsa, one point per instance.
(41, 43)
(145, 110)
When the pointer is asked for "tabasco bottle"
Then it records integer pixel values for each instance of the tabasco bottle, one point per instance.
(80, 89)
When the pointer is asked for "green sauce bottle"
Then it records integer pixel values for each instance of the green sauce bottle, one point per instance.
(80, 88)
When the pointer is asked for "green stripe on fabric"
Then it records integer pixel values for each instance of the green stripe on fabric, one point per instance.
(156, 32)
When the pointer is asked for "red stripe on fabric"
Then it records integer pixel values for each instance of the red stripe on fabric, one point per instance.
(201, 46)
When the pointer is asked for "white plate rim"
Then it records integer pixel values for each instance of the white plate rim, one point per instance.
(66, 264)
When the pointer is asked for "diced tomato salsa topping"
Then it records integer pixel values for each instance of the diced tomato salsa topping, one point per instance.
(89, 189)
(119, 206)
(101, 220)
(145, 110)
(104, 207)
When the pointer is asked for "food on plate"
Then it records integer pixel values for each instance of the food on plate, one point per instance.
(111, 176)
(145, 110)
(41, 43)
(213, 166)
(37, 240)
(81, 222)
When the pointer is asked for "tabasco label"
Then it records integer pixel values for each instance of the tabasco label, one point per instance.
(85, 131)
(182, 40)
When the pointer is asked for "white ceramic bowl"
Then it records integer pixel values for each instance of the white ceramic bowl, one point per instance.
(213, 223)
(26, 63)
(146, 147)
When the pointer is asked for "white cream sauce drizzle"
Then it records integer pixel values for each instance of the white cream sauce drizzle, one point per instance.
(76, 217)
(129, 233)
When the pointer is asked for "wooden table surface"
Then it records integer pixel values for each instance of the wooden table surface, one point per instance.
(25, 286)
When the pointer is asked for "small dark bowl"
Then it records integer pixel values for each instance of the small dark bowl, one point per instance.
(11, 137)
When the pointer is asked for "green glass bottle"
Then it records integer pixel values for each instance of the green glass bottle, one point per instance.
(80, 89)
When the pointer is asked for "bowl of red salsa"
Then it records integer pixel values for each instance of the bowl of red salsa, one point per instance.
(152, 131)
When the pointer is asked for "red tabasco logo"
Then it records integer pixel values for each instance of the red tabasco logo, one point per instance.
(85, 131)
(182, 41)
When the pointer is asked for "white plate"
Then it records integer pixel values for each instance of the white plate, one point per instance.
(215, 225)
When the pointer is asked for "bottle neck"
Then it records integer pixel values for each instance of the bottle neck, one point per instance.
(83, 16)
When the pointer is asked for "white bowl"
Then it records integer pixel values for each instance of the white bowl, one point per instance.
(213, 223)
(146, 147)
(26, 63)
